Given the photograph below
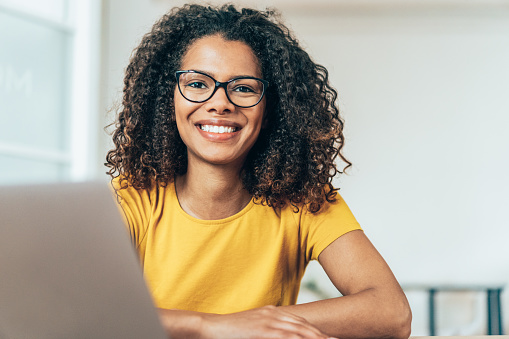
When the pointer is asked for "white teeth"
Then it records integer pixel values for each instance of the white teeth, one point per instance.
(217, 129)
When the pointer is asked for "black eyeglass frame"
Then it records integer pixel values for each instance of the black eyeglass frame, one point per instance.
(219, 84)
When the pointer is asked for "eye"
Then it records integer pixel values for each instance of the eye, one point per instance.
(197, 85)
(244, 89)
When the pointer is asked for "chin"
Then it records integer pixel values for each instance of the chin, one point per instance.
(221, 160)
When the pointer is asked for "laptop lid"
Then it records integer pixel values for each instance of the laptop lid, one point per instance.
(67, 266)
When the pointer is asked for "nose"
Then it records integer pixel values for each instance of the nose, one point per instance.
(219, 102)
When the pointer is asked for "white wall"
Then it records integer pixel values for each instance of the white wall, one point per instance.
(425, 93)
(124, 24)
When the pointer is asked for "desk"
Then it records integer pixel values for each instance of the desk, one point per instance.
(494, 307)
(466, 337)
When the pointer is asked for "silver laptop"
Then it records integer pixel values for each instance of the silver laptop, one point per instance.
(67, 266)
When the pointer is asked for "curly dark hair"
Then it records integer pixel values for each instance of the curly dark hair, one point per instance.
(293, 160)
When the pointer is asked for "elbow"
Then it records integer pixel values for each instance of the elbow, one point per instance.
(400, 321)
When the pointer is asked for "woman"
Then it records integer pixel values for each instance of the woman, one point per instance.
(223, 162)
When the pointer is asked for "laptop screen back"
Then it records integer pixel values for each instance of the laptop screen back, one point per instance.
(67, 267)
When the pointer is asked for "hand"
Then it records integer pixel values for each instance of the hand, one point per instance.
(264, 322)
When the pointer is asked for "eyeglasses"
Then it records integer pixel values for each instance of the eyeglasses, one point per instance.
(243, 92)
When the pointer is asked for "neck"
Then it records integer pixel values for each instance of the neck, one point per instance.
(215, 192)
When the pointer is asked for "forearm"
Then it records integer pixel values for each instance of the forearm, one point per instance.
(181, 324)
(367, 314)
(263, 322)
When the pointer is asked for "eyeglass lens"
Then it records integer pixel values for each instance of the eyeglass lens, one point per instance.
(200, 87)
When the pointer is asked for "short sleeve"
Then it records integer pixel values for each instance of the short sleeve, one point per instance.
(319, 230)
(135, 207)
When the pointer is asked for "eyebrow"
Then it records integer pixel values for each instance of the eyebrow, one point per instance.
(232, 77)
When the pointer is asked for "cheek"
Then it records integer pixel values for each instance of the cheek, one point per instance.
(181, 108)
(178, 110)
(177, 104)
(263, 114)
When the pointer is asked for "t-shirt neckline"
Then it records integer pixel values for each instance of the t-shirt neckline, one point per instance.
(231, 218)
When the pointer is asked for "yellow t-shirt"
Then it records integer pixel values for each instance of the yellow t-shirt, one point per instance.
(251, 259)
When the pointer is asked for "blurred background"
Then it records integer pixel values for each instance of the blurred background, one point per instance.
(423, 87)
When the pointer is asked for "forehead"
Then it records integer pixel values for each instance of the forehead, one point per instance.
(223, 59)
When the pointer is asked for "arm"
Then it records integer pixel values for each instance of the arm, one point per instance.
(264, 322)
(373, 304)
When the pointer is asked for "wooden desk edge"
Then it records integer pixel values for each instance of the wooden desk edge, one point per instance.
(462, 337)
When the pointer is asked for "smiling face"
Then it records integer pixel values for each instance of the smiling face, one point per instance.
(216, 131)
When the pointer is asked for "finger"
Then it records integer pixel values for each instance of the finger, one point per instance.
(295, 319)
(304, 330)
(287, 316)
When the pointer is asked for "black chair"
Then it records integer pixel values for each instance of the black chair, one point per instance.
(494, 307)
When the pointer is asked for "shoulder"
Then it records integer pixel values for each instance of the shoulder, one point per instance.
(320, 229)
(140, 207)
(140, 203)
(335, 213)
(337, 210)
(126, 193)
